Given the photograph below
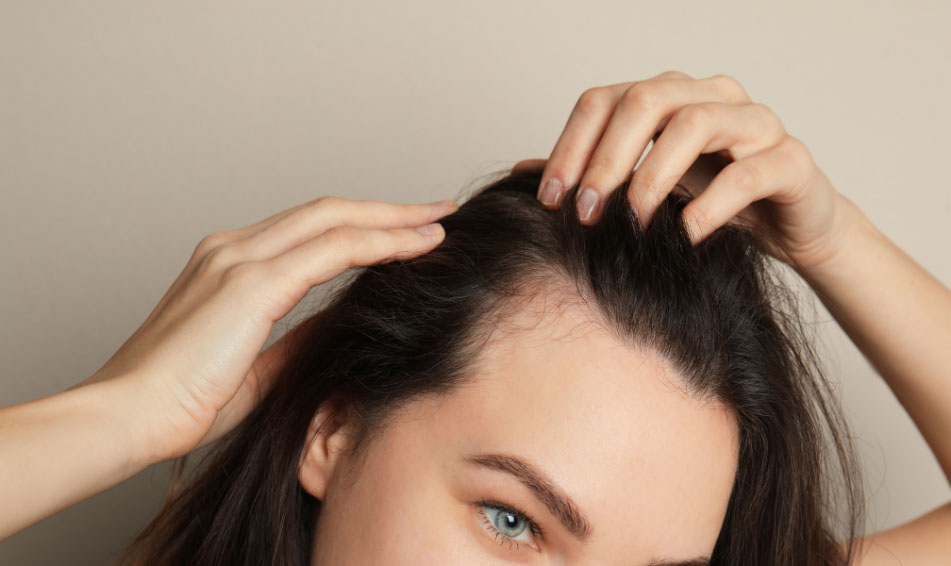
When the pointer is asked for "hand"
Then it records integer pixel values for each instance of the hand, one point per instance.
(749, 167)
(196, 362)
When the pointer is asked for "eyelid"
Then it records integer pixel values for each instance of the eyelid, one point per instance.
(536, 530)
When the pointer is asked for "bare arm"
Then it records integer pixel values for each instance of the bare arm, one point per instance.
(59, 450)
(899, 316)
(195, 368)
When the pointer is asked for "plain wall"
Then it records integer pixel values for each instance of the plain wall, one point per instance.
(130, 130)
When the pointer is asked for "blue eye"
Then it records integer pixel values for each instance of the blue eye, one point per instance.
(509, 524)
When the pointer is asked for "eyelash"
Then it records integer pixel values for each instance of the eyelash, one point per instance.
(534, 527)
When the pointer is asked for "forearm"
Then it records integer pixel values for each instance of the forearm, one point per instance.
(59, 450)
(899, 316)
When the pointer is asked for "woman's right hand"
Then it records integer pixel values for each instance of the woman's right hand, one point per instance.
(732, 154)
(195, 366)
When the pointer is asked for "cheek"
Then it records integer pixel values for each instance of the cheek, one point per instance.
(398, 512)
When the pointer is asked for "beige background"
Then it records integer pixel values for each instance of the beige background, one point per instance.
(129, 130)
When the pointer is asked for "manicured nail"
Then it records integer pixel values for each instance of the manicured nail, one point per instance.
(587, 200)
(551, 191)
(430, 229)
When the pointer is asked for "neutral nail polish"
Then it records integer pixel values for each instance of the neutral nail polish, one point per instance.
(430, 229)
(551, 191)
(587, 200)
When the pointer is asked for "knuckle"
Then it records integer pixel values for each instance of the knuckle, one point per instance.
(340, 238)
(641, 94)
(221, 258)
(244, 271)
(673, 74)
(745, 177)
(767, 115)
(761, 108)
(212, 241)
(795, 150)
(600, 164)
(592, 101)
(694, 116)
(725, 80)
(729, 85)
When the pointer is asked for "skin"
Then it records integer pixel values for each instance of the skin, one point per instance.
(611, 425)
(195, 367)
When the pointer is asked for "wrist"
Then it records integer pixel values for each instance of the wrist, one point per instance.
(117, 403)
(848, 232)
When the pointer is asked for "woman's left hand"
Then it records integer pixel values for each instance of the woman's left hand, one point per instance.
(769, 181)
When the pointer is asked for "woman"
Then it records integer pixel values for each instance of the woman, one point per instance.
(613, 377)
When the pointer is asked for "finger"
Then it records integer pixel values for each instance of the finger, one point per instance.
(328, 255)
(642, 111)
(290, 227)
(295, 225)
(244, 231)
(247, 231)
(260, 225)
(770, 173)
(577, 141)
(702, 171)
(527, 165)
(693, 130)
(315, 219)
(378, 213)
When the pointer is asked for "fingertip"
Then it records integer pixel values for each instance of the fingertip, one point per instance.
(432, 231)
(550, 191)
(588, 206)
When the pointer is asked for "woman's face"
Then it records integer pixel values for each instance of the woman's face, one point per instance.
(598, 443)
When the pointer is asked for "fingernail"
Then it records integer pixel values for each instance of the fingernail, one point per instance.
(430, 229)
(551, 191)
(587, 200)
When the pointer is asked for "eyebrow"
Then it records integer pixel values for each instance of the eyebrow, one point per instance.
(558, 503)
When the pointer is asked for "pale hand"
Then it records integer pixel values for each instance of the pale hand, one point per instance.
(732, 154)
(195, 366)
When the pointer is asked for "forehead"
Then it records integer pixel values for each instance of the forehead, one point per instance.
(651, 465)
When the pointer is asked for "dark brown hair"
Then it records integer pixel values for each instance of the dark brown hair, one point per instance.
(398, 330)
